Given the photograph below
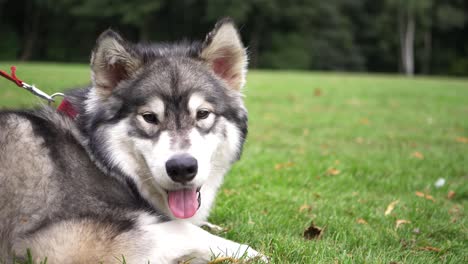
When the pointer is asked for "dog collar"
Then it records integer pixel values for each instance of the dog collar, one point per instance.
(67, 108)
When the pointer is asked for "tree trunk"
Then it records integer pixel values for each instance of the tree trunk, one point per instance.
(31, 26)
(408, 44)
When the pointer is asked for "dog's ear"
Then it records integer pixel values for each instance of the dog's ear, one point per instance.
(112, 61)
(224, 52)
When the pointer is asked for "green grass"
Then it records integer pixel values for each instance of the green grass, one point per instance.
(367, 127)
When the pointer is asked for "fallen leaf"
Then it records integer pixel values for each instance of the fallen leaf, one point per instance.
(429, 197)
(400, 222)
(361, 221)
(450, 195)
(462, 139)
(425, 196)
(305, 207)
(333, 171)
(313, 232)
(391, 206)
(280, 166)
(418, 155)
(429, 248)
(364, 121)
(317, 92)
(420, 194)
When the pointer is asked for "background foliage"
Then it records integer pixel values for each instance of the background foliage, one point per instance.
(339, 35)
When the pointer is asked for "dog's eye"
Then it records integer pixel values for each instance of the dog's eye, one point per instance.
(150, 118)
(202, 114)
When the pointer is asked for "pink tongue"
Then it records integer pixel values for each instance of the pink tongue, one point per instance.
(183, 203)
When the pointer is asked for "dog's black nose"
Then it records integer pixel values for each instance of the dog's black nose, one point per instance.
(182, 168)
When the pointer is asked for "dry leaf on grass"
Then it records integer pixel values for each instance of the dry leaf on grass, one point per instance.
(425, 196)
(333, 171)
(280, 166)
(364, 121)
(429, 197)
(305, 207)
(462, 139)
(361, 221)
(359, 140)
(450, 195)
(429, 248)
(391, 206)
(317, 92)
(400, 222)
(313, 232)
(419, 194)
(417, 155)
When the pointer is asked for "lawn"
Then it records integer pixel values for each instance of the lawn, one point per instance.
(336, 150)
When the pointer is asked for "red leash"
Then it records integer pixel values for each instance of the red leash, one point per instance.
(65, 107)
(12, 77)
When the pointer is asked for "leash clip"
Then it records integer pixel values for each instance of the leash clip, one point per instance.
(37, 92)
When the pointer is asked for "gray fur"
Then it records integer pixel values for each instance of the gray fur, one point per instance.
(55, 173)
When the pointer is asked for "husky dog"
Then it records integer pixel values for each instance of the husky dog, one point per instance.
(136, 171)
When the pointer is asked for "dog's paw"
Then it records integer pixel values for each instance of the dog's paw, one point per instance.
(238, 252)
(212, 227)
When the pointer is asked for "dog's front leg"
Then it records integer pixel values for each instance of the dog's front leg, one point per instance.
(179, 240)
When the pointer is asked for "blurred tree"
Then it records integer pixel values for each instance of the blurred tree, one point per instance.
(137, 12)
(254, 17)
(412, 36)
(409, 12)
(416, 22)
(34, 9)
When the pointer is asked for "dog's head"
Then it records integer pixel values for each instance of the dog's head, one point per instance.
(170, 117)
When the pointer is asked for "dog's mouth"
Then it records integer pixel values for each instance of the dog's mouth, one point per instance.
(184, 203)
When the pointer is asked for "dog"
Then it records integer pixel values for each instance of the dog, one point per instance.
(134, 172)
